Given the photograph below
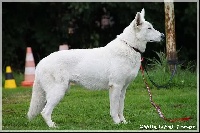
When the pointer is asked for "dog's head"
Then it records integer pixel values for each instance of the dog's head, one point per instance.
(144, 30)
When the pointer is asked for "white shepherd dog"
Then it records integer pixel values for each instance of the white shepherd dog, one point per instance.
(111, 67)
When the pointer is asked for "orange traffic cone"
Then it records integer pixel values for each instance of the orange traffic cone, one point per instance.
(29, 69)
(9, 79)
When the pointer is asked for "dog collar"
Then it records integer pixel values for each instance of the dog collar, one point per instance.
(137, 50)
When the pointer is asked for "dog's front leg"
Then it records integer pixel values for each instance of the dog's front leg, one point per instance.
(114, 94)
(121, 105)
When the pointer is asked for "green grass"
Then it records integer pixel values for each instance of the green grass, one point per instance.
(83, 109)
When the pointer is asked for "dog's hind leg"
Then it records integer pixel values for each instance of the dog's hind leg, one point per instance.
(53, 96)
(114, 94)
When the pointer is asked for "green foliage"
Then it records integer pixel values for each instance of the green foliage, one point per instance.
(45, 25)
(160, 63)
(160, 73)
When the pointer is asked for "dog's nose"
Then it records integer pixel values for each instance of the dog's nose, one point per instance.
(162, 35)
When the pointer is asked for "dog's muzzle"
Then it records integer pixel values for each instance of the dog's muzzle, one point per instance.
(162, 36)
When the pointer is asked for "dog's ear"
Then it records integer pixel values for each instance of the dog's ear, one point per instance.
(142, 13)
(139, 18)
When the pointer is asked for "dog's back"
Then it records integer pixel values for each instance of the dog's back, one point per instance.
(92, 68)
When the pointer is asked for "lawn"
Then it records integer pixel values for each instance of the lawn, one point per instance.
(83, 109)
(88, 110)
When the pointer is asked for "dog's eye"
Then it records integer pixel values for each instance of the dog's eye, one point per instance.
(149, 28)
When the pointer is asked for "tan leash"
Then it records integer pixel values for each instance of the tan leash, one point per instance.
(156, 106)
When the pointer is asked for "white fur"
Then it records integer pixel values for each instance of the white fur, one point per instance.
(111, 67)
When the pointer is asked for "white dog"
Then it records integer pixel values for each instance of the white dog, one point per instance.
(111, 67)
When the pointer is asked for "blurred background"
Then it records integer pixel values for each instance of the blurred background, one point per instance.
(44, 26)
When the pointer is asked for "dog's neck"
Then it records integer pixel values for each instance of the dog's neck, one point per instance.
(129, 37)
(137, 50)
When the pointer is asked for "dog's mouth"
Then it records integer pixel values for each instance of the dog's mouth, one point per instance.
(154, 41)
(160, 39)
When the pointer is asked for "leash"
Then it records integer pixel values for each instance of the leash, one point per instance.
(156, 106)
(172, 62)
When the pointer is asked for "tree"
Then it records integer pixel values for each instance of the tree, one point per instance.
(45, 25)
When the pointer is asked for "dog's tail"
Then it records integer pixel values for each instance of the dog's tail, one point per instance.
(38, 100)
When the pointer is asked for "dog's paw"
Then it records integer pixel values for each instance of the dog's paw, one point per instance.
(124, 122)
(52, 125)
(116, 120)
